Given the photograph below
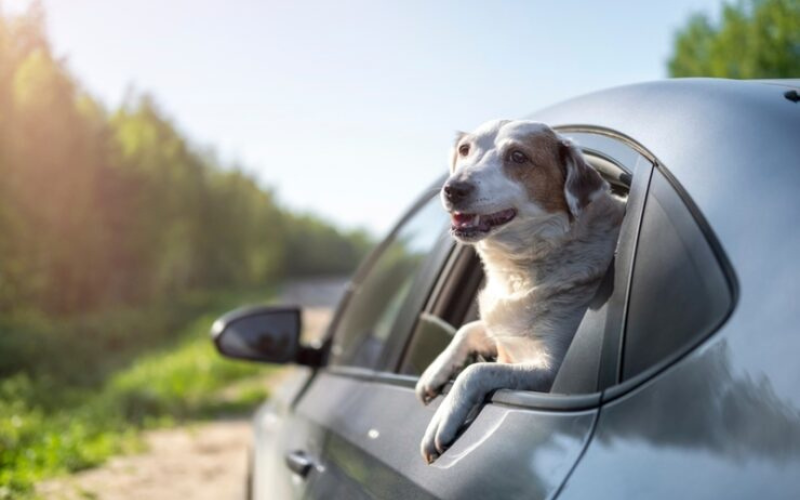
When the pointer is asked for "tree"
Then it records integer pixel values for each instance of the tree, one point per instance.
(753, 39)
(99, 208)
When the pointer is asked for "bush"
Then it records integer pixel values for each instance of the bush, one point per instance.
(54, 420)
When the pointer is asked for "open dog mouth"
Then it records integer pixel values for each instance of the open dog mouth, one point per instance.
(470, 226)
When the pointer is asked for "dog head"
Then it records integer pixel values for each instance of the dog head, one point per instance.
(508, 178)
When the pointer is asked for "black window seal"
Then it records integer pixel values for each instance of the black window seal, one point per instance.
(611, 358)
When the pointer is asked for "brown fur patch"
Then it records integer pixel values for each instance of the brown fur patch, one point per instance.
(582, 180)
(543, 175)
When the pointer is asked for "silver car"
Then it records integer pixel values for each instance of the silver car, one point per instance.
(683, 380)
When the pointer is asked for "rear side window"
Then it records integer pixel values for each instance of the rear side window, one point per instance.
(679, 292)
(373, 309)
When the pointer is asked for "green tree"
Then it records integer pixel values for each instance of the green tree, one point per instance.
(753, 39)
(315, 247)
(99, 209)
(50, 139)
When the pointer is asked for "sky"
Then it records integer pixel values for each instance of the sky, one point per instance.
(348, 108)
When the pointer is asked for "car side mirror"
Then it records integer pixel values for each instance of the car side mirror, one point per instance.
(260, 333)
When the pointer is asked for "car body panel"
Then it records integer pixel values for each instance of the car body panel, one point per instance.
(277, 430)
(704, 429)
(724, 420)
(375, 428)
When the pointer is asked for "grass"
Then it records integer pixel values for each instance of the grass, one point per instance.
(51, 426)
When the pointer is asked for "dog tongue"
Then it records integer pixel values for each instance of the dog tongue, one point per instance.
(464, 220)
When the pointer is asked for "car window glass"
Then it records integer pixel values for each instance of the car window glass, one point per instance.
(679, 291)
(432, 332)
(372, 310)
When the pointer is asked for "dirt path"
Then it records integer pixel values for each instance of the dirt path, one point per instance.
(205, 461)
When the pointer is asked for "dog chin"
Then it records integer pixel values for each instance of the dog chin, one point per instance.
(468, 237)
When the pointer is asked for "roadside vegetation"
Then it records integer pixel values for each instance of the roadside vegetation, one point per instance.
(120, 242)
(74, 414)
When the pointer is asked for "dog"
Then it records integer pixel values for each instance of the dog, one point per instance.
(544, 224)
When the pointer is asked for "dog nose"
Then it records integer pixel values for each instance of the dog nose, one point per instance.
(457, 191)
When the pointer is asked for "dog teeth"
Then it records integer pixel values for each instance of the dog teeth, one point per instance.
(481, 222)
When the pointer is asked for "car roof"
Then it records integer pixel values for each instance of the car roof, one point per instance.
(793, 83)
(733, 145)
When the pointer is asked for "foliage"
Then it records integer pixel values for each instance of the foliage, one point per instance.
(753, 39)
(318, 248)
(101, 208)
(50, 426)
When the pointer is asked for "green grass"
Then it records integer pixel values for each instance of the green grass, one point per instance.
(50, 426)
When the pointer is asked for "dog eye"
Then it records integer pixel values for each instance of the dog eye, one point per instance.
(463, 149)
(518, 157)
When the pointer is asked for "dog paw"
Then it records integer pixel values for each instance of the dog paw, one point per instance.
(442, 429)
(425, 392)
(434, 378)
(428, 447)
(429, 451)
(430, 384)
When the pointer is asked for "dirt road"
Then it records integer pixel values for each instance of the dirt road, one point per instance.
(203, 462)
(200, 462)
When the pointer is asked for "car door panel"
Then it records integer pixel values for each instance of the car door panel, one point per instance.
(350, 463)
(704, 428)
(373, 445)
(279, 430)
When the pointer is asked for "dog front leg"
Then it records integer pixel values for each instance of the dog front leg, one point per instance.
(470, 339)
(469, 390)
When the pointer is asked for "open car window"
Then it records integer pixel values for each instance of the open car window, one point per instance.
(454, 303)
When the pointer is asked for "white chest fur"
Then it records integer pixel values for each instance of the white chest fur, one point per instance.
(535, 297)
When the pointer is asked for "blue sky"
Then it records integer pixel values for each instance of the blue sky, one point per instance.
(347, 108)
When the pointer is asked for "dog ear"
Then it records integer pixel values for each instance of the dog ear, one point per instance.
(453, 155)
(581, 182)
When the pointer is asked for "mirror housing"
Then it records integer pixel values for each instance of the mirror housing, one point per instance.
(268, 334)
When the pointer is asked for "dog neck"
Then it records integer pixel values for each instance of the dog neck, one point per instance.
(513, 259)
(548, 248)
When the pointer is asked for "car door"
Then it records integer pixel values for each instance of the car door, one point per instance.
(520, 444)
